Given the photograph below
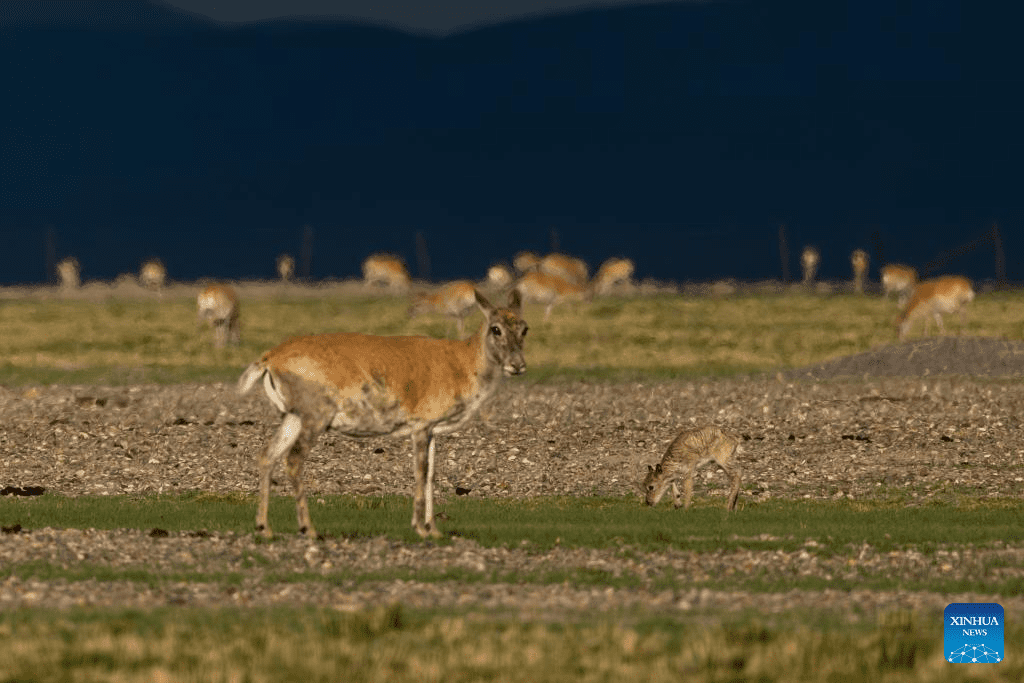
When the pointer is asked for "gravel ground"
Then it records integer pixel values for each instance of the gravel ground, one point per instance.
(895, 417)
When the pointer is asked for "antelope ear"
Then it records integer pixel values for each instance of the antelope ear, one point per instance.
(658, 469)
(515, 301)
(651, 469)
(483, 303)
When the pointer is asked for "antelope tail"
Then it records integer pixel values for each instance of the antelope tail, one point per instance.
(252, 374)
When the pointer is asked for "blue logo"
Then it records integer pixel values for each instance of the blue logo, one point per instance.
(973, 632)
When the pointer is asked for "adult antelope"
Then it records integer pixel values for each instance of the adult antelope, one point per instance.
(899, 279)
(386, 270)
(218, 306)
(153, 275)
(859, 262)
(691, 449)
(456, 299)
(932, 298)
(69, 273)
(366, 386)
(551, 290)
(569, 268)
(525, 262)
(285, 267)
(613, 272)
(809, 260)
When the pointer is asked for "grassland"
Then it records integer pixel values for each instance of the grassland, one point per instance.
(126, 341)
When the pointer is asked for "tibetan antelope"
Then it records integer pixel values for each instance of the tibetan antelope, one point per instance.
(525, 262)
(569, 268)
(899, 279)
(932, 298)
(456, 299)
(153, 275)
(551, 290)
(613, 272)
(859, 261)
(285, 267)
(69, 273)
(809, 260)
(218, 306)
(366, 386)
(386, 270)
(691, 449)
(499, 276)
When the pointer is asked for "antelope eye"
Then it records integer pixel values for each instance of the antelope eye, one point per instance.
(525, 330)
(495, 330)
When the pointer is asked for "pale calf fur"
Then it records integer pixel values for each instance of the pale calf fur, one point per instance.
(613, 272)
(218, 306)
(809, 261)
(365, 386)
(899, 279)
(285, 267)
(688, 451)
(386, 270)
(69, 273)
(456, 299)
(499, 276)
(153, 275)
(859, 262)
(551, 290)
(525, 262)
(932, 298)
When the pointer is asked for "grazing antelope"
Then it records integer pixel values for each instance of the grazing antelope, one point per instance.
(932, 298)
(614, 271)
(569, 268)
(809, 259)
(688, 451)
(499, 276)
(456, 299)
(285, 267)
(386, 270)
(900, 279)
(218, 306)
(364, 386)
(153, 275)
(69, 273)
(859, 261)
(551, 290)
(525, 262)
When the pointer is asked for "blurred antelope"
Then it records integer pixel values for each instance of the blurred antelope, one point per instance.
(525, 262)
(900, 279)
(691, 449)
(499, 276)
(859, 260)
(285, 267)
(569, 268)
(367, 386)
(218, 306)
(69, 273)
(809, 260)
(551, 290)
(932, 298)
(386, 270)
(153, 275)
(456, 299)
(614, 271)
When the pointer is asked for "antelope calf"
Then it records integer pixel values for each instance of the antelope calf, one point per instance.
(688, 451)
(569, 268)
(499, 276)
(218, 306)
(365, 386)
(859, 261)
(614, 271)
(932, 298)
(153, 275)
(386, 270)
(456, 299)
(809, 261)
(899, 279)
(69, 273)
(525, 262)
(551, 290)
(285, 267)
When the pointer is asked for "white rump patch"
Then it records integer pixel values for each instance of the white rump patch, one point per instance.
(273, 393)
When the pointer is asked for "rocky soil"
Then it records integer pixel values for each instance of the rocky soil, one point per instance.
(933, 418)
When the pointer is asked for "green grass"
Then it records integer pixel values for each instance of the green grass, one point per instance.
(149, 340)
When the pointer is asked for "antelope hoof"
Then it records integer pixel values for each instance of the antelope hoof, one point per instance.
(264, 531)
